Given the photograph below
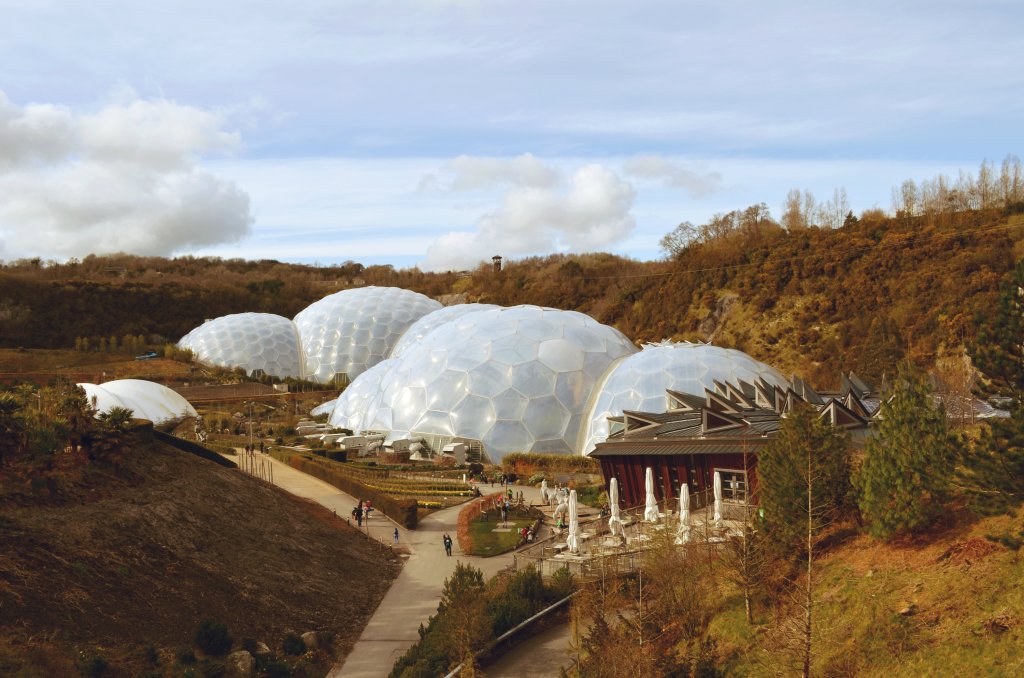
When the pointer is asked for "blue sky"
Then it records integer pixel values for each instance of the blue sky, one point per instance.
(439, 132)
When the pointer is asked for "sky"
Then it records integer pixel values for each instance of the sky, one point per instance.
(437, 133)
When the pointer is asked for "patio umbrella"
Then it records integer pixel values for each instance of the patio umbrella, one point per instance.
(573, 540)
(651, 510)
(683, 536)
(615, 522)
(544, 491)
(718, 499)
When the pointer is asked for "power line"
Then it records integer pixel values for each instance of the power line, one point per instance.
(852, 250)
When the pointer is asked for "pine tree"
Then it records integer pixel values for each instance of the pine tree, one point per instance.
(806, 452)
(909, 461)
(993, 472)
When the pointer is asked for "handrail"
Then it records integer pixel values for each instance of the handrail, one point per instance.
(521, 625)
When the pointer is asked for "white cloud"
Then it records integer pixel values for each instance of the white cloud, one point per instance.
(537, 215)
(672, 174)
(471, 173)
(122, 178)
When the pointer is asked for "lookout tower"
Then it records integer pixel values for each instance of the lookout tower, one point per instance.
(497, 263)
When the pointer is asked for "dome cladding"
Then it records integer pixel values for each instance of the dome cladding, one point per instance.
(638, 382)
(146, 399)
(350, 331)
(517, 379)
(425, 325)
(253, 341)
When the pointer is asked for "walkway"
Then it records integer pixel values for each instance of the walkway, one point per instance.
(414, 595)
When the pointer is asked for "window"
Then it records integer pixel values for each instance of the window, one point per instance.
(734, 484)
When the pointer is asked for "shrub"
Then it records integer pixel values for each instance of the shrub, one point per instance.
(151, 656)
(249, 645)
(293, 645)
(535, 479)
(94, 666)
(213, 638)
(186, 657)
(272, 667)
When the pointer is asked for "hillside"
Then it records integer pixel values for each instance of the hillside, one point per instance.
(948, 604)
(813, 301)
(135, 556)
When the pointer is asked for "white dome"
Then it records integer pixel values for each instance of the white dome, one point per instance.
(323, 408)
(146, 399)
(350, 331)
(252, 341)
(431, 321)
(351, 407)
(638, 382)
(517, 379)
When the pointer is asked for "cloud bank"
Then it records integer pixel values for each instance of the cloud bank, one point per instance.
(671, 174)
(121, 178)
(541, 210)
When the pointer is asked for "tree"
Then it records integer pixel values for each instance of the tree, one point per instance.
(785, 476)
(804, 476)
(462, 614)
(676, 240)
(12, 429)
(905, 478)
(993, 472)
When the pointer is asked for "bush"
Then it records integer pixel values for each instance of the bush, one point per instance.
(535, 479)
(186, 657)
(272, 667)
(151, 656)
(293, 645)
(94, 666)
(213, 638)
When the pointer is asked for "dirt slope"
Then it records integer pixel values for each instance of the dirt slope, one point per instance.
(135, 559)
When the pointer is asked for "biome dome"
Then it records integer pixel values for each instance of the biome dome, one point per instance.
(425, 325)
(517, 379)
(350, 331)
(146, 399)
(638, 382)
(351, 409)
(256, 342)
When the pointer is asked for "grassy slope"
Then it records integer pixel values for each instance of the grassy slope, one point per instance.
(966, 595)
(137, 556)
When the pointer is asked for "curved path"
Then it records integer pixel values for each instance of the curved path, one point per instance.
(414, 595)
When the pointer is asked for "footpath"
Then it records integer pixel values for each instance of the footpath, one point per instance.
(414, 595)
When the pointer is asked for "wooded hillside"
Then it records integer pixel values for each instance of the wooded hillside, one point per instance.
(808, 300)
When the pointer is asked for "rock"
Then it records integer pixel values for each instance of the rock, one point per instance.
(907, 609)
(241, 663)
(262, 649)
(309, 640)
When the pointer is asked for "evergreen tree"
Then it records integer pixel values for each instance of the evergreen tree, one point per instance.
(909, 461)
(998, 351)
(993, 472)
(807, 457)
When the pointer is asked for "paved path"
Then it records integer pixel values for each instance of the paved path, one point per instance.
(414, 595)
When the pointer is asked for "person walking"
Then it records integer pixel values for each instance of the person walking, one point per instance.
(447, 544)
(396, 536)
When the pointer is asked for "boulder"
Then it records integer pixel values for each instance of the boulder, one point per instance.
(241, 663)
(309, 640)
(262, 649)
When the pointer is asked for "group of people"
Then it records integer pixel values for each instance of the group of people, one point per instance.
(362, 511)
(250, 449)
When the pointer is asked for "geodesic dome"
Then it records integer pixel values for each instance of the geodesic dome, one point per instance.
(517, 379)
(425, 325)
(638, 382)
(349, 331)
(351, 407)
(252, 341)
(323, 408)
(146, 399)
